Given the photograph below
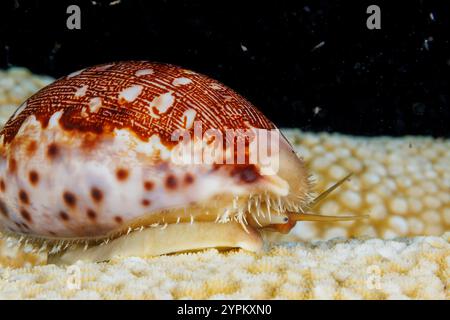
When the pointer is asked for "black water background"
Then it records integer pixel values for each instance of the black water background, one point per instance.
(393, 81)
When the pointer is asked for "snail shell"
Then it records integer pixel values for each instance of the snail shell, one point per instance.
(89, 159)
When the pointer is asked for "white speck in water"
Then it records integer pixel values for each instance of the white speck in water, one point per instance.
(321, 44)
(432, 16)
(55, 49)
(244, 48)
(426, 43)
(317, 109)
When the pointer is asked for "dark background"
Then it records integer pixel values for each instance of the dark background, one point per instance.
(393, 81)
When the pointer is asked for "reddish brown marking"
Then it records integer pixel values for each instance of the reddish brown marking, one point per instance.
(69, 199)
(118, 219)
(96, 194)
(210, 140)
(90, 141)
(148, 185)
(34, 177)
(26, 215)
(91, 214)
(171, 182)
(4, 209)
(122, 174)
(12, 165)
(31, 148)
(64, 216)
(22, 226)
(188, 178)
(23, 196)
(145, 202)
(2, 185)
(247, 173)
(52, 233)
(53, 150)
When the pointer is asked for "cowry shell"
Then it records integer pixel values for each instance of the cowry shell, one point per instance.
(91, 156)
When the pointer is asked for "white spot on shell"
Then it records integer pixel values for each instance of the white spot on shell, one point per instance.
(131, 93)
(181, 81)
(125, 140)
(189, 72)
(188, 118)
(53, 122)
(144, 72)
(155, 143)
(30, 123)
(74, 74)
(215, 86)
(81, 91)
(161, 103)
(103, 68)
(83, 112)
(20, 109)
(95, 104)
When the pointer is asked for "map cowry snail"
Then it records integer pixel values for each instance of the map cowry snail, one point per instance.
(94, 166)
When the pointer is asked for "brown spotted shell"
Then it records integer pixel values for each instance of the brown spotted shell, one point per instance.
(87, 155)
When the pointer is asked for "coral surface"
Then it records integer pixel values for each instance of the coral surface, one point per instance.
(402, 183)
(416, 268)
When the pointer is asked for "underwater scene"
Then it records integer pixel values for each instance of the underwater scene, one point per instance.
(177, 150)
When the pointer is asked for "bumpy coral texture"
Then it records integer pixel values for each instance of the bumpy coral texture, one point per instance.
(402, 183)
(417, 268)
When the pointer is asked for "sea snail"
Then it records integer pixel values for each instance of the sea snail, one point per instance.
(90, 168)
